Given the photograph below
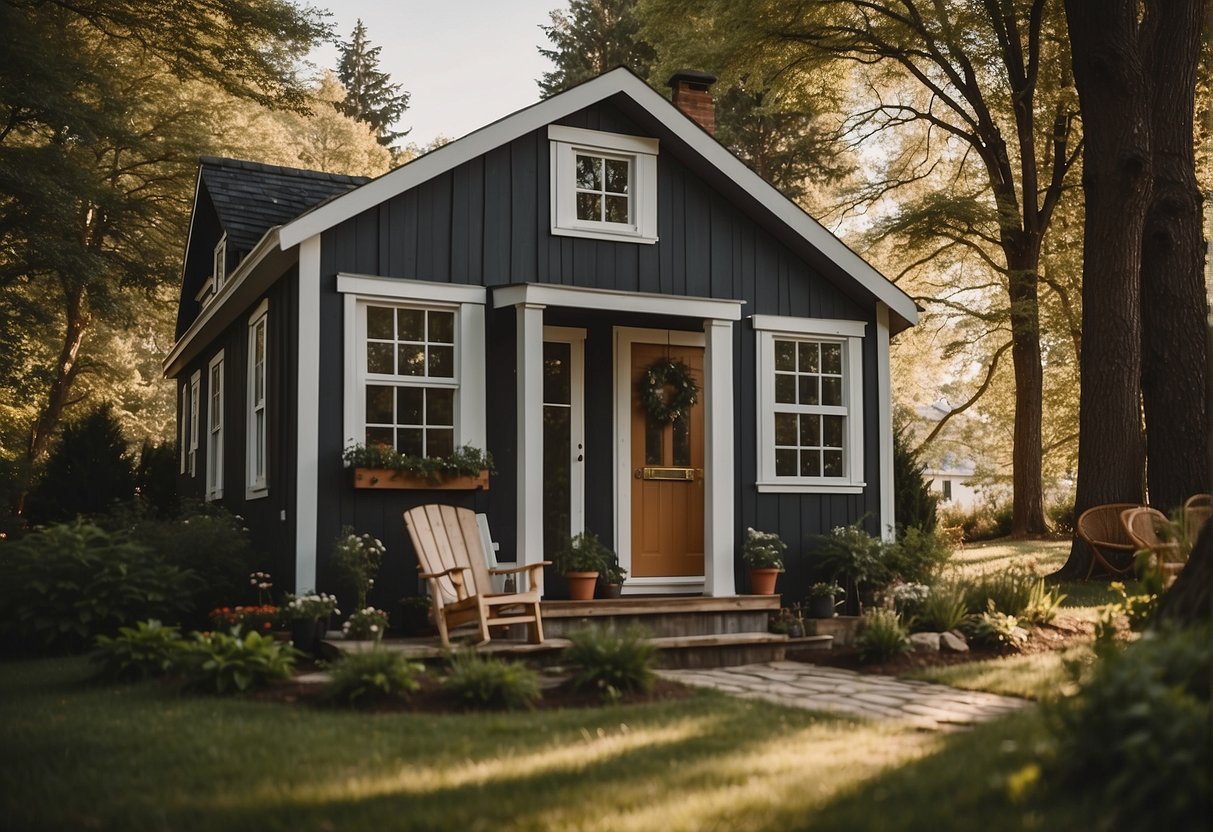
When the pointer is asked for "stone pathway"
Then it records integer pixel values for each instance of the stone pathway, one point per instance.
(799, 685)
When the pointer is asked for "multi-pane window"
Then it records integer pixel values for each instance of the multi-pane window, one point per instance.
(411, 382)
(220, 270)
(195, 390)
(214, 429)
(603, 188)
(809, 413)
(258, 424)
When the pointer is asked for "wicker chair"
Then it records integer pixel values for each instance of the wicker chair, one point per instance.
(1111, 547)
(1197, 509)
(1150, 530)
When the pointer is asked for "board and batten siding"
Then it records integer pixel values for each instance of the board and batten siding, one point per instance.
(486, 223)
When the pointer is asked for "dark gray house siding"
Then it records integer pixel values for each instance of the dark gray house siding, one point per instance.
(486, 222)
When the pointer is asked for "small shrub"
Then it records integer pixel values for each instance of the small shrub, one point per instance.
(882, 635)
(487, 682)
(369, 623)
(611, 661)
(228, 663)
(147, 650)
(65, 584)
(243, 620)
(1011, 590)
(907, 599)
(995, 629)
(373, 676)
(1043, 602)
(87, 471)
(942, 610)
(1138, 608)
(983, 522)
(358, 557)
(853, 558)
(1061, 515)
(918, 556)
(1138, 732)
(914, 504)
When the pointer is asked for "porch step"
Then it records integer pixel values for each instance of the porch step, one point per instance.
(664, 617)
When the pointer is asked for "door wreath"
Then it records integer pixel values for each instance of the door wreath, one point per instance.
(668, 390)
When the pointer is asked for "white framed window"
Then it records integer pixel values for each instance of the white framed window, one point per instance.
(183, 444)
(257, 430)
(947, 489)
(810, 404)
(604, 185)
(195, 390)
(214, 428)
(414, 364)
(219, 275)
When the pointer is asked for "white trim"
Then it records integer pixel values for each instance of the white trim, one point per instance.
(613, 300)
(208, 286)
(624, 337)
(214, 435)
(810, 326)
(256, 487)
(371, 286)
(575, 338)
(219, 262)
(307, 414)
(183, 432)
(195, 409)
(884, 424)
(719, 482)
(849, 335)
(529, 364)
(539, 115)
(640, 153)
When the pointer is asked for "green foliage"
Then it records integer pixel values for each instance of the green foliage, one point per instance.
(488, 682)
(466, 461)
(370, 95)
(942, 610)
(205, 538)
(994, 628)
(1016, 590)
(1139, 734)
(882, 635)
(823, 589)
(144, 651)
(372, 676)
(358, 557)
(1061, 515)
(366, 623)
(592, 37)
(64, 584)
(1138, 608)
(611, 661)
(583, 552)
(227, 663)
(88, 471)
(854, 558)
(763, 550)
(156, 477)
(913, 501)
(982, 522)
(917, 556)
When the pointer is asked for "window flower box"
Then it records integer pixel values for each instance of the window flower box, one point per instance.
(379, 466)
(403, 480)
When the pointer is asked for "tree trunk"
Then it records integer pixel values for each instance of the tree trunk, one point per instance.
(1027, 495)
(1187, 601)
(1174, 360)
(65, 375)
(1112, 92)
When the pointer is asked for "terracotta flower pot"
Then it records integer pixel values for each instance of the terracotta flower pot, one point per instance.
(581, 585)
(762, 581)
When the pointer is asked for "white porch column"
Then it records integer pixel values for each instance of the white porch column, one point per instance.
(530, 432)
(307, 409)
(718, 476)
(884, 422)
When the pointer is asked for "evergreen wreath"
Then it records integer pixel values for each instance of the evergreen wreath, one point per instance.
(662, 374)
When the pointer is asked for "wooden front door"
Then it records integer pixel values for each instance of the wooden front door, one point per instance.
(667, 475)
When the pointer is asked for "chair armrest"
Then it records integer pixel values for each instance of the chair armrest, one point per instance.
(445, 572)
(515, 569)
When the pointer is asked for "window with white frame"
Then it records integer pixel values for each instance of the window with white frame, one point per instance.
(214, 428)
(257, 437)
(810, 404)
(415, 365)
(604, 185)
(184, 440)
(220, 272)
(195, 390)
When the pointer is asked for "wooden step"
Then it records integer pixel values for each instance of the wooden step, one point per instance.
(664, 617)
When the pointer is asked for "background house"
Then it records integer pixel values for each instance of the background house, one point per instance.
(510, 291)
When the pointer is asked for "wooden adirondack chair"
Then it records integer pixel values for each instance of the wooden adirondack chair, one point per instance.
(451, 557)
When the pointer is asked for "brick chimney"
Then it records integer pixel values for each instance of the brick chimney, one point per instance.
(693, 95)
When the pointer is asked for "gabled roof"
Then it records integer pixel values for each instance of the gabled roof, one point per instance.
(251, 197)
(802, 231)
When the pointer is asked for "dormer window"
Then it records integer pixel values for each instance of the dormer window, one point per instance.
(604, 185)
(220, 273)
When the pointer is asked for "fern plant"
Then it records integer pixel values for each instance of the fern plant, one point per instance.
(611, 661)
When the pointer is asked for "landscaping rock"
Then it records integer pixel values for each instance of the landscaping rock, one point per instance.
(925, 641)
(953, 642)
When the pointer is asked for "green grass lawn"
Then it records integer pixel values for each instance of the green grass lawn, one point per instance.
(82, 755)
(1032, 676)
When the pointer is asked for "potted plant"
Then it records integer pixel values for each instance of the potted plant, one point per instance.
(581, 558)
(359, 557)
(613, 578)
(308, 618)
(821, 599)
(762, 553)
(381, 466)
(365, 624)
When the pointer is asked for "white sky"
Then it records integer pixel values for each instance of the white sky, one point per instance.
(465, 62)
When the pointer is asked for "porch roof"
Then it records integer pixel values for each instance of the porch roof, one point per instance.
(615, 300)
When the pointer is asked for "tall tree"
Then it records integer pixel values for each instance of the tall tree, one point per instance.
(97, 156)
(976, 90)
(1134, 66)
(592, 37)
(370, 95)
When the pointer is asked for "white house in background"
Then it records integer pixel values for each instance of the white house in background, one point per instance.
(953, 481)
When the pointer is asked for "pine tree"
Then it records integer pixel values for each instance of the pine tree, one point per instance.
(913, 503)
(592, 37)
(370, 95)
